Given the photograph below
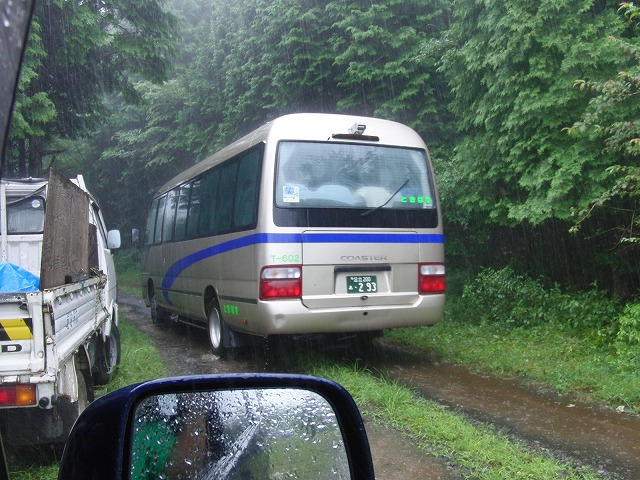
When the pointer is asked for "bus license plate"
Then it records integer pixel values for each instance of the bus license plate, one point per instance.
(362, 284)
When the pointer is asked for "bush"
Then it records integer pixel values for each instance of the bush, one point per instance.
(500, 297)
(504, 298)
(626, 332)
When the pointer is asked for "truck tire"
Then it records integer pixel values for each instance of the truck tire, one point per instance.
(217, 331)
(70, 411)
(108, 358)
(85, 392)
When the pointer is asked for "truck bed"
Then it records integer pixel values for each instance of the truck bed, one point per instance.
(51, 324)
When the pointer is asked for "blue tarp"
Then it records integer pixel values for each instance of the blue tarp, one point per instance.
(16, 279)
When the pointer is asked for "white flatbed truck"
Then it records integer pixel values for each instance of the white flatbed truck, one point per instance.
(58, 306)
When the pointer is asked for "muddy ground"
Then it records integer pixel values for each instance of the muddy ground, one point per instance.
(607, 441)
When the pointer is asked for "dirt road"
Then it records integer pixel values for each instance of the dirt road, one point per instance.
(607, 441)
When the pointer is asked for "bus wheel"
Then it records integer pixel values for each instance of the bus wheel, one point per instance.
(217, 332)
(158, 314)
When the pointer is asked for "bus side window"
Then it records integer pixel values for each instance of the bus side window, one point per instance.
(157, 238)
(195, 202)
(181, 212)
(169, 216)
(209, 202)
(151, 223)
(224, 210)
(245, 201)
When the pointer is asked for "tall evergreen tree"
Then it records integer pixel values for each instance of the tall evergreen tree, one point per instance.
(387, 54)
(510, 66)
(89, 48)
(612, 123)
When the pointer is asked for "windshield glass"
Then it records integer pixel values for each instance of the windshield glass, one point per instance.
(330, 175)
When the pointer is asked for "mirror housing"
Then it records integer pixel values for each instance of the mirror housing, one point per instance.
(113, 239)
(103, 441)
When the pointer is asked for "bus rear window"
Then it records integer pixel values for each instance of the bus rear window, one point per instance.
(338, 175)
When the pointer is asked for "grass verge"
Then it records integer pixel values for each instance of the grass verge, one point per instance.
(127, 264)
(478, 451)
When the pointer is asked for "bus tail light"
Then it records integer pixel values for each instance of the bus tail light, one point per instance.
(17, 395)
(280, 282)
(431, 278)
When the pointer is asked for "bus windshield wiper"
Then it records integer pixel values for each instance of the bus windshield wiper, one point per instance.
(375, 209)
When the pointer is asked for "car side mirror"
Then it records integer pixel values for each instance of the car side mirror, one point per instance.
(222, 427)
(113, 239)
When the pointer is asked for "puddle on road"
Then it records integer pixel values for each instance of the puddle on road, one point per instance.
(401, 461)
(604, 440)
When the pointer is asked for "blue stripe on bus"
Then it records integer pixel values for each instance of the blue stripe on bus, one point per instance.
(259, 238)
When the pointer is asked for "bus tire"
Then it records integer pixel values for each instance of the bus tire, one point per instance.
(109, 351)
(217, 331)
(363, 342)
(158, 314)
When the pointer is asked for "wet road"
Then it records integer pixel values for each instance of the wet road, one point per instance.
(607, 441)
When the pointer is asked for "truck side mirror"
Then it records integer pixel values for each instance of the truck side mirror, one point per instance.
(113, 239)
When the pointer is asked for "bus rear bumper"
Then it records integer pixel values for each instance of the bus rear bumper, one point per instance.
(292, 317)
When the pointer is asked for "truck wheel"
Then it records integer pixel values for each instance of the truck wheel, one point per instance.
(85, 392)
(216, 329)
(71, 410)
(109, 351)
(158, 314)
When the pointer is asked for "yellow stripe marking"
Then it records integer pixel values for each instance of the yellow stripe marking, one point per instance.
(16, 329)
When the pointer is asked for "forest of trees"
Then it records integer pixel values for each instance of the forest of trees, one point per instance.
(530, 108)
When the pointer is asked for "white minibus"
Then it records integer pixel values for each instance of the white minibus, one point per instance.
(313, 223)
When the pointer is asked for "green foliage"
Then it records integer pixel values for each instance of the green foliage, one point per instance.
(243, 63)
(509, 65)
(257, 59)
(511, 324)
(503, 298)
(487, 83)
(629, 326)
(612, 122)
(127, 263)
(625, 335)
(508, 300)
(516, 309)
(34, 473)
(387, 55)
(79, 52)
(32, 111)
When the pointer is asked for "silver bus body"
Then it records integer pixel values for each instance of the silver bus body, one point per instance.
(313, 223)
